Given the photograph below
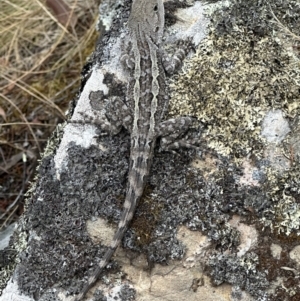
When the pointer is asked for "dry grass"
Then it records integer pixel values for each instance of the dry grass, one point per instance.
(43, 46)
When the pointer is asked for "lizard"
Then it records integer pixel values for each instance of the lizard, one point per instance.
(142, 113)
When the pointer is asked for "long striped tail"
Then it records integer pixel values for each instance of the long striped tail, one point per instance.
(139, 170)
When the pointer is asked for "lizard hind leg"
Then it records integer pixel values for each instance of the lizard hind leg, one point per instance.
(101, 122)
(171, 130)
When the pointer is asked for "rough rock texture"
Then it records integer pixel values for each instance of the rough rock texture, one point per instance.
(219, 223)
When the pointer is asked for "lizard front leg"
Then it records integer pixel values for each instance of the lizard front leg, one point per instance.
(115, 115)
(118, 114)
(173, 63)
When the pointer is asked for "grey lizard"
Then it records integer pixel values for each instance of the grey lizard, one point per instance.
(143, 110)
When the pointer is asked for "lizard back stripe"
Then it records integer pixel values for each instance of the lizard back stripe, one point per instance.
(136, 89)
(154, 86)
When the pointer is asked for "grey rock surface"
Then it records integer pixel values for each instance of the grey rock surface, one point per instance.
(218, 223)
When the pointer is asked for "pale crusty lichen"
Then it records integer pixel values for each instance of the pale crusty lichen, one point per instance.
(247, 66)
(234, 85)
(284, 215)
(290, 215)
(241, 71)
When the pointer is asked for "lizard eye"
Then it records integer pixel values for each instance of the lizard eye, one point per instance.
(155, 8)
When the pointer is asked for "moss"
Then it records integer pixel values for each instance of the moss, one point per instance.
(145, 224)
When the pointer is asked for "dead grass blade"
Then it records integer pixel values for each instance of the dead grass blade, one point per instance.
(42, 51)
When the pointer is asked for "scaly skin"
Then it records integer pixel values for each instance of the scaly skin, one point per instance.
(146, 104)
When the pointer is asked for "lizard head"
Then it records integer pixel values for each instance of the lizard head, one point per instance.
(147, 18)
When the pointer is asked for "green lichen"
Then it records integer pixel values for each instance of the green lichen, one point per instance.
(283, 217)
(244, 68)
(247, 66)
(235, 82)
